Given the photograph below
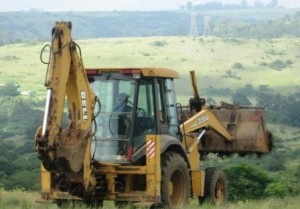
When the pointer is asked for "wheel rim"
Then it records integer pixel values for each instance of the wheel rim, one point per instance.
(177, 189)
(219, 192)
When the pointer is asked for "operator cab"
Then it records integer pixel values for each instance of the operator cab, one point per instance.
(134, 103)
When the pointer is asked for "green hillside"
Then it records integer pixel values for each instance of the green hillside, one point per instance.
(220, 63)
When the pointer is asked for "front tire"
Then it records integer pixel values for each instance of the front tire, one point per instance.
(175, 181)
(215, 190)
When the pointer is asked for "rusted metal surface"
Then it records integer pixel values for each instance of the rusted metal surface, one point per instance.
(71, 149)
(246, 125)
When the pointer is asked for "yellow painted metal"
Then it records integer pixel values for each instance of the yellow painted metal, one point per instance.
(150, 171)
(205, 119)
(128, 183)
(202, 185)
(66, 77)
(159, 72)
(89, 178)
(111, 184)
(194, 84)
(157, 166)
(193, 153)
(198, 178)
(147, 72)
(154, 168)
(45, 177)
(122, 169)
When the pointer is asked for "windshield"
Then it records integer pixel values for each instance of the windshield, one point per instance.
(116, 93)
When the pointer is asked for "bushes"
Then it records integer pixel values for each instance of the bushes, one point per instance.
(279, 64)
(287, 106)
(19, 117)
(263, 64)
(9, 89)
(278, 189)
(240, 99)
(238, 65)
(19, 120)
(159, 43)
(246, 182)
(18, 170)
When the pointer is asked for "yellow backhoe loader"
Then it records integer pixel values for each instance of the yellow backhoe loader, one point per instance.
(127, 140)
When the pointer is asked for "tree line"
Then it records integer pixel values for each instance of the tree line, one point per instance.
(276, 28)
(19, 119)
(216, 5)
(32, 26)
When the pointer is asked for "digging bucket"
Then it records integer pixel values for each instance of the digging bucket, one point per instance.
(248, 130)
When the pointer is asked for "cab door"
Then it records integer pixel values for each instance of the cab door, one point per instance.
(145, 118)
(166, 105)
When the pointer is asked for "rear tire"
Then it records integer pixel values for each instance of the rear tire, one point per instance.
(175, 181)
(215, 190)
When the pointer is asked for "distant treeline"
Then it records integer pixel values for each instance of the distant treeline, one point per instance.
(243, 4)
(285, 26)
(35, 26)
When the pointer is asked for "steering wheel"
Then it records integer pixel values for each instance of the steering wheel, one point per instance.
(140, 111)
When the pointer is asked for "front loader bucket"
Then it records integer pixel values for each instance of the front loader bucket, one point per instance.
(247, 127)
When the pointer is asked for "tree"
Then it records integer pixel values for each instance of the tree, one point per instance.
(238, 65)
(247, 90)
(189, 5)
(19, 117)
(210, 101)
(244, 4)
(297, 16)
(278, 189)
(258, 4)
(297, 172)
(240, 99)
(9, 89)
(273, 4)
(263, 88)
(246, 182)
(276, 162)
(287, 106)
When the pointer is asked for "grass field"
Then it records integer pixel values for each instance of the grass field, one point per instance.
(26, 200)
(212, 58)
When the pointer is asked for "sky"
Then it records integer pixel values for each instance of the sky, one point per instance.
(108, 5)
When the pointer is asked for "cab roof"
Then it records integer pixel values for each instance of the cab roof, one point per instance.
(147, 72)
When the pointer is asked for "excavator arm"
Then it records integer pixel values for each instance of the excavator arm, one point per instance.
(204, 118)
(66, 149)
